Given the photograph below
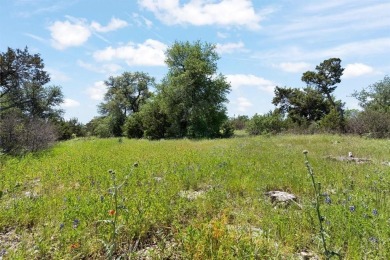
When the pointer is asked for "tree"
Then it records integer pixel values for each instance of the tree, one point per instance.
(325, 79)
(22, 85)
(301, 106)
(27, 106)
(192, 94)
(125, 95)
(376, 97)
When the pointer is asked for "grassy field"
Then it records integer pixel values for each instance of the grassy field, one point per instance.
(184, 199)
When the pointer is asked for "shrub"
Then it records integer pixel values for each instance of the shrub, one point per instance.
(264, 124)
(375, 124)
(19, 135)
(133, 126)
(332, 122)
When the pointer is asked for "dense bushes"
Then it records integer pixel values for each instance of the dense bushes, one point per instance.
(375, 124)
(263, 124)
(19, 135)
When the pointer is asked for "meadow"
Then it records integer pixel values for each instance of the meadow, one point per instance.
(195, 199)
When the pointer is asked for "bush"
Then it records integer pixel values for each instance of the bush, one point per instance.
(332, 122)
(227, 129)
(375, 124)
(19, 135)
(133, 126)
(270, 123)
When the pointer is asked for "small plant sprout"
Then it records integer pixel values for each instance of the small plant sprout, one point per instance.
(317, 194)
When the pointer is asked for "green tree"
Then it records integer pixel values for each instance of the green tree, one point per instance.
(125, 95)
(327, 75)
(301, 106)
(376, 97)
(27, 106)
(22, 85)
(193, 95)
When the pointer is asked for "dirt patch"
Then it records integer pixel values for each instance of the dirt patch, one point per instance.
(9, 241)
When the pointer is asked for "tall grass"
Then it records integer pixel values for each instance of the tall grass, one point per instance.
(52, 201)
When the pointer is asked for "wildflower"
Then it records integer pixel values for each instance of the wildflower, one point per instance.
(352, 208)
(76, 223)
(375, 212)
(62, 225)
(101, 198)
(111, 212)
(328, 200)
(74, 246)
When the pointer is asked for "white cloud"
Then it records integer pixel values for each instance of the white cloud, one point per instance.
(238, 13)
(75, 32)
(294, 66)
(109, 68)
(68, 103)
(113, 25)
(67, 34)
(243, 104)
(351, 49)
(230, 47)
(142, 21)
(356, 70)
(97, 91)
(241, 80)
(149, 53)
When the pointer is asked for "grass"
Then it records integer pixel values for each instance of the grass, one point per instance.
(53, 203)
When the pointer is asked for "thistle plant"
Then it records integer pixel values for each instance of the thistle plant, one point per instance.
(317, 195)
(111, 244)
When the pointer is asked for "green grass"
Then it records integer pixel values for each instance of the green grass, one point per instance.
(53, 202)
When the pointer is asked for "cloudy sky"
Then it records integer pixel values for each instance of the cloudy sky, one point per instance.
(262, 43)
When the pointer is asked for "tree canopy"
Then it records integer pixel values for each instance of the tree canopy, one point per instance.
(327, 75)
(125, 95)
(193, 95)
(376, 97)
(22, 85)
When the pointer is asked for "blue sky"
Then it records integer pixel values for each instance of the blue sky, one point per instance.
(262, 44)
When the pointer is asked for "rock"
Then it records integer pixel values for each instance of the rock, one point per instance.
(191, 195)
(282, 197)
(349, 159)
(304, 255)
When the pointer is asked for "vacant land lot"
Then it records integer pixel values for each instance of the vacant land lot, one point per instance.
(183, 199)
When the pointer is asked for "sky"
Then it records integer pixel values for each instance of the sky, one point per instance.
(261, 43)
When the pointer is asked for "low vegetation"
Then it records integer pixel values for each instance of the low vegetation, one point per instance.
(183, 199)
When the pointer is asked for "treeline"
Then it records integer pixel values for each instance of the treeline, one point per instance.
(188, 102)
(313, 109)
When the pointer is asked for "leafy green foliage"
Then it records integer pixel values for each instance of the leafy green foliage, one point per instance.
(239, 122)
(376, 97)
(327, 75)
(301, 106)
(269, 123)
(125, 96)
(26, 104)
(192, 95)
(22, 80)
(68, 129)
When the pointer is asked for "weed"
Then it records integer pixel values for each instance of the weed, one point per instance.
(317, 195)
